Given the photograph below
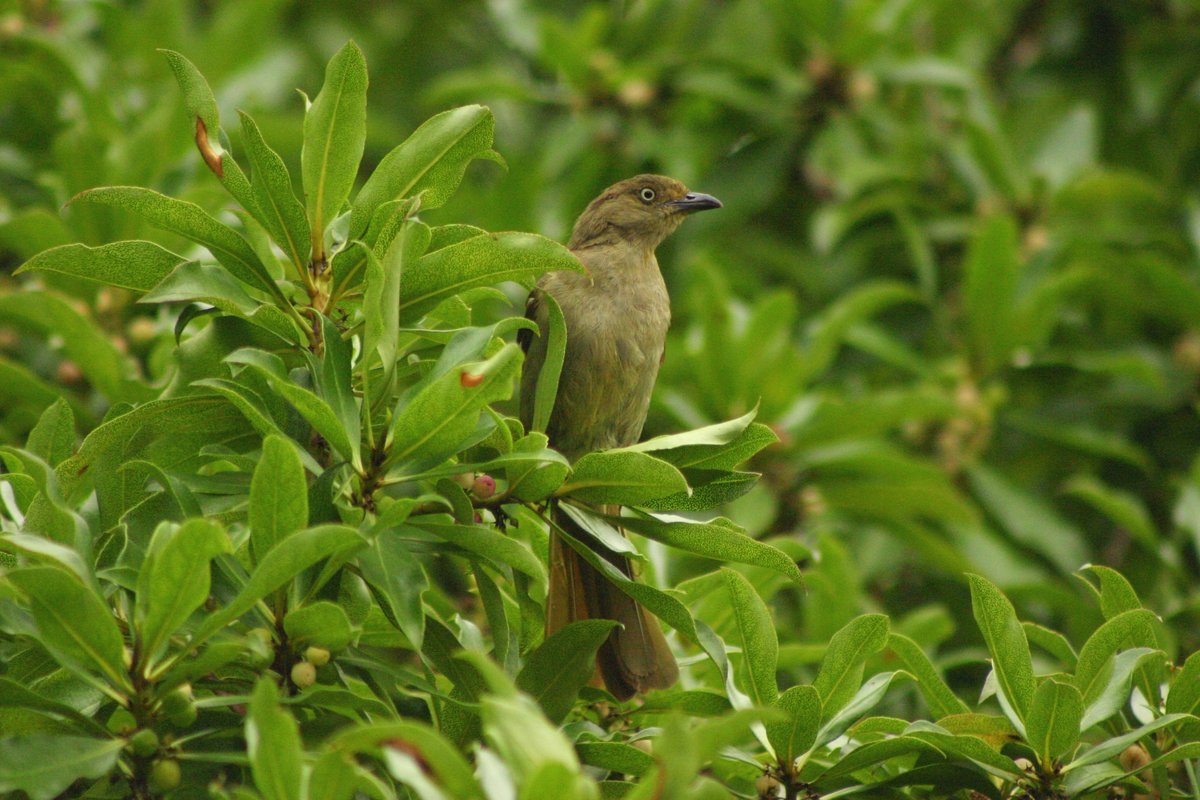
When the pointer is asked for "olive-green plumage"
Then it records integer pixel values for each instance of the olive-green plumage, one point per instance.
(616, 316)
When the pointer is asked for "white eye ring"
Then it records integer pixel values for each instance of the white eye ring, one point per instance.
(647, 195)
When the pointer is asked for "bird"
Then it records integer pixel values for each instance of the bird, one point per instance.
(617, 313)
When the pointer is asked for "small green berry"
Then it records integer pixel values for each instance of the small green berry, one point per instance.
(304, 674)
(317, 656)
(144, 743)
(165, 775)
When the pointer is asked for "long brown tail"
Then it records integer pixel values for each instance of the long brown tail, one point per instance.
(635, 657)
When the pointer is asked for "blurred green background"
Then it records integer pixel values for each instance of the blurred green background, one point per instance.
(956, 268)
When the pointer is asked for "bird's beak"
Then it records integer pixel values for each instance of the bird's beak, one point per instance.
(695, 201)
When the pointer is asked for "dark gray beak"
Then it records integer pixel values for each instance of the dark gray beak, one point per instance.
(695, 201)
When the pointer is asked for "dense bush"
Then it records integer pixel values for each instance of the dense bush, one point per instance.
(950, 312)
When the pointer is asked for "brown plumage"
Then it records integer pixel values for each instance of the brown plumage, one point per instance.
(617, 316)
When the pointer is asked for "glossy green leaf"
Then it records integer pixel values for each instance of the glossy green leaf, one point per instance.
(273, 744)
(75, 624)
(938, 696)
(796, 736)
(431, 161)
(622, 477)
(719, 539)
(135, 265)
(280, 212)
(434, 423)
(192, 222)
(335, 129)
(1005, 639)
(483, 260)
(546, 391)
(323, 624)
(756, 637)
(174, 580)
(842, 668)
(278, 496)
(1052, 725)
(562, 665)
(397, 581)
(44, 766)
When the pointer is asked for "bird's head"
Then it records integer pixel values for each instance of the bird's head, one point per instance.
(642, 211)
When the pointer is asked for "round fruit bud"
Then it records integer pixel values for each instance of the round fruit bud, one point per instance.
(317, 656)
(1134, 758)
(121, 722)
(465, 479)
(144, 743)
(767, 786)
(484, 487)
(165, 775)
(304, 674)
(180, 706)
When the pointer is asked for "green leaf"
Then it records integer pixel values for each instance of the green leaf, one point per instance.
(53, 437)
(756, 638)
(273, 744)
(798, 734)
(659, 603)
(397, 581)
(708, 437)
(941, 701)
(1116, 595)
(278, 496)
(284, 561)
(135, 265)
(318, 413)
(431, 161)
(708, 490)
(1107, 697)
(45, 766)
(496, 547)
(862, 701)
(1052, 725)
(481, 260)
(842, 668)
(322, 623)
(614, 757)
(1128, 629)
(546, 391)
(623, 477)
(335, 130)
(1184, 697)
(192, 222)
(452, 771)
(1110, 748)
(197, 96)
(381, 300)
(562, 665)
(434, 424)
(75, 624)
(516, 728)
(718, 539)
(174, 580)
(280, 212)
(992, 270)
(1006, 642)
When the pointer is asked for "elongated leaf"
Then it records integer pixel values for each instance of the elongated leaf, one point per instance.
(1005, 639)
(319, 414)
(453, 772)
(709, 436)
(798, 734)
(482, 541)
(659, 603)
(1107, 697)
(842, 668)
(287, 559)
(1127, 629)
(1110, 748)
(278, 496)
(335, 130)
(756, 638)
(482, 260)
(192, 222)
(435, 423)
(866, 698)
(546, 391)
(44, 766)
(1052, 726)
(174, 579)
(197, 96)
(615, 757)
(381, 301)
(273, 744)
(75, 624)
(1116, 595)
(992, 271)
(562, 665)
(281, 213)
(941, 701)
(135, 265)
(53, 437)
(1184, 697)
(719, 539)
(623, 477)
(873, 753)
(431, 161)
(322, 623)
(397, 580)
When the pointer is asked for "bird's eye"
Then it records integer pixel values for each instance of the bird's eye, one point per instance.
(647, 194)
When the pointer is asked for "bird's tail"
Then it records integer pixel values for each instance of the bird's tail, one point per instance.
(635, 657)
